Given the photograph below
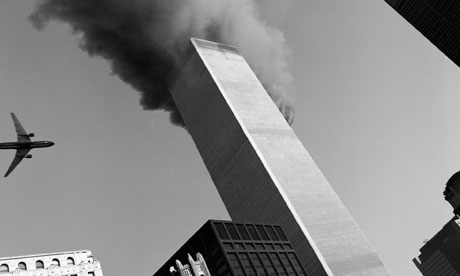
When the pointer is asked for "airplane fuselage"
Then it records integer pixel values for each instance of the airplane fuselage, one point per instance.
(26, 145)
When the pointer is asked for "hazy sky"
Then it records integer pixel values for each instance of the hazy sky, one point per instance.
(376, 106)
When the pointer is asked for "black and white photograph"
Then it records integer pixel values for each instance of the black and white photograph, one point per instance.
(229, 138)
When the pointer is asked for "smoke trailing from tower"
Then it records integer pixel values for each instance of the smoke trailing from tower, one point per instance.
(144, 39)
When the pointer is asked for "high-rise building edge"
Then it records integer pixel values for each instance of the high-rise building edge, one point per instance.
(437, 20)
(260, 168)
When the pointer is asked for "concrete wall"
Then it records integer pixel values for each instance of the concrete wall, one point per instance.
(260, 168)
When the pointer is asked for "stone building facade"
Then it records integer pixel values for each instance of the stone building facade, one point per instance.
(74, 263)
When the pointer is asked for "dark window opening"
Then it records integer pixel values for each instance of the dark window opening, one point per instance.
(221, 231)
(56, 262)
(253, 232)
(70, 261)
(262, 232)
(39, 265)
(232, 231)
(22, 266)
(243, 232)
(280, 233)
(271, 233)
(4, 268)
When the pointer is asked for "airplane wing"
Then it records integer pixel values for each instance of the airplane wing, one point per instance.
(20, 154)
(21, 133)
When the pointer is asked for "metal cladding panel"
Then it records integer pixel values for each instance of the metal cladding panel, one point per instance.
(260, 168)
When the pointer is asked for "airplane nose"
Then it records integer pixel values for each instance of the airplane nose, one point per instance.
(51, 143)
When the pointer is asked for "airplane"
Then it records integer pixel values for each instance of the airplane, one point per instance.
(23, 145)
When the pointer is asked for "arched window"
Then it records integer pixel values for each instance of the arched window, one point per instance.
(55, 262)
(70, 261)
(4, 268)
(39, 265)
(22, 266)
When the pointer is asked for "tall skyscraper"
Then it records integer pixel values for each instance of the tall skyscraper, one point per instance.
(437, 20)
(440, 256)
(228, 248)
(75, 263)
(260, 168)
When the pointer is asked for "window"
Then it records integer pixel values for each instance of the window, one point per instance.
(262, 232)
(39, 265)
(228, 245)
(259, 246)
(55, 262)
(232, 231)
(235, 264)
(258, 264)
(247, 266)
(280, 233)
(22, 266)
(4, 268)
(70, 261)
(267, 264)
(91, 273)
(296, 264)
(221, 231)
(287, 264)
(244, 234)
(249, 246)
(278, 265)
(253, 232)
(271, 233)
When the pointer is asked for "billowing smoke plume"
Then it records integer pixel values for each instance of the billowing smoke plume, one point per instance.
(143, 39)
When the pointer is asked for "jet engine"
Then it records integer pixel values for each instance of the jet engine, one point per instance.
(31, 134)
(29, 156)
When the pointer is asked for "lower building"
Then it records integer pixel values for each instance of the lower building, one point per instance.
(235, 249)
(440, 256)
(74, 263)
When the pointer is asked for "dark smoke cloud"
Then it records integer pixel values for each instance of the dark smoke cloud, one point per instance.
(143, 39)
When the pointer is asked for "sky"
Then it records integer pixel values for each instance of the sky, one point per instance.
(376, 106)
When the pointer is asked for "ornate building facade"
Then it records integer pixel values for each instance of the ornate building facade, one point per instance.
(193, 268)
(74, 263)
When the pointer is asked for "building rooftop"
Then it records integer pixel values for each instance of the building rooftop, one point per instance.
(45, 254)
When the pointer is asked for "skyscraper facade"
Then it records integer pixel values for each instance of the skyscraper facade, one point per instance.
(74, 263)
(437, 20)
(235, 249)
(260, 168)
(452, 192)
(440, 256)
